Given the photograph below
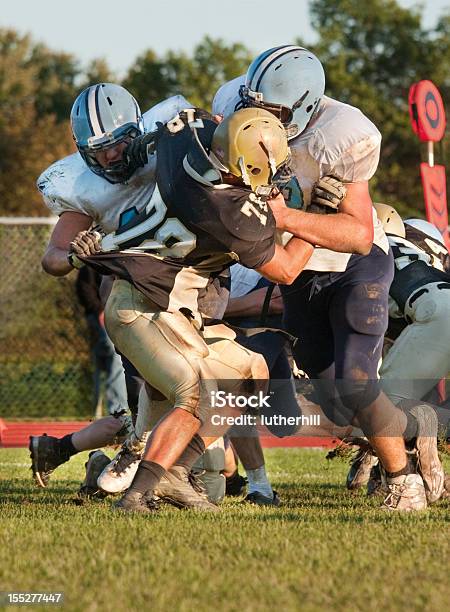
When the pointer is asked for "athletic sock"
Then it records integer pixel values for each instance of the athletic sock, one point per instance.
(147, 476)
(258, 481)
(193, 451)
(66, 446)
(403, 472)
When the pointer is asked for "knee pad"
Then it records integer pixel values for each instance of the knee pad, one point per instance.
(356, 395)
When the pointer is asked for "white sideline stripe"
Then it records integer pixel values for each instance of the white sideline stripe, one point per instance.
(28, 220)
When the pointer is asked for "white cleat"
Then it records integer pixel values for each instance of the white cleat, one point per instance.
(118, 475)
(429, 465)
(405, 494)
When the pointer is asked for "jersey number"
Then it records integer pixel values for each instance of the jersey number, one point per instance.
(255, 206)
(171, 239)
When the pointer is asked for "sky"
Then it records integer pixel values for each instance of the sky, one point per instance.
(119, 30)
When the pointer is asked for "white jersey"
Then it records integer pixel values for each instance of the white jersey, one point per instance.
(243, 280)
(69, 185)
(340, 141)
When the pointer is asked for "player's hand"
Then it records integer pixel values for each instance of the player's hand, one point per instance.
(85, 243)
(137, 152)
(327, 195)
(278, 207)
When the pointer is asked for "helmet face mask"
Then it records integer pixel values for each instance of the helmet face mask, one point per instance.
(287, 81)
(104, 116)
(251, 145)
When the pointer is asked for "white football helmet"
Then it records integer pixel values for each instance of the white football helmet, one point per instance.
(427, 228)
(289, 82)
(102, 116)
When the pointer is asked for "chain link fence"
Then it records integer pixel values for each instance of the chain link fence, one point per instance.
(45, 361)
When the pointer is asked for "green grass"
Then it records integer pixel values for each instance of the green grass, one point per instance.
(324, 549)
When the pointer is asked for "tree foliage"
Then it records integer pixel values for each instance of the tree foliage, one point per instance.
(197, 77)
(372, 53)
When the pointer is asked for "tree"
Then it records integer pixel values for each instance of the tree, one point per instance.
(37, 90)
(29, 141)
(197, 77)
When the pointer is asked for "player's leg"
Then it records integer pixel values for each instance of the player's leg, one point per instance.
(170, 354)
(235, 483)
(359, 317)
(48, 452)
(420, 356)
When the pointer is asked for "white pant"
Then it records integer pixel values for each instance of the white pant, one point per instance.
(420, 356)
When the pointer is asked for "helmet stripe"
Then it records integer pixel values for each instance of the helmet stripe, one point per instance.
(260, 62)
(86, 102)
(97, 109)
(257, 62)
(92, 112)
(270, 60)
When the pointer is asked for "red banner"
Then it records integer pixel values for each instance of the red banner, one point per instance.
(434, 188)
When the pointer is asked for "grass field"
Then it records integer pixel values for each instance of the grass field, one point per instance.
(324, 549)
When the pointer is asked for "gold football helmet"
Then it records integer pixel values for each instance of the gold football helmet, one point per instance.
(250, 144)
(391, 220)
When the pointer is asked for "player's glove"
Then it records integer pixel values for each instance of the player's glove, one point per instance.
(85, 243)
(327, 195)
(137, 152)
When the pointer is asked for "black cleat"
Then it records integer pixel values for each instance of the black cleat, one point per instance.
(235, 485)
(258, 499)
(46, 456)
(360, 467)
(94, 467)
(134, 501)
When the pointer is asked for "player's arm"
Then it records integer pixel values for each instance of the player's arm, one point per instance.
(348, 231)
(287, 262)
(279, 264)
(68, 226)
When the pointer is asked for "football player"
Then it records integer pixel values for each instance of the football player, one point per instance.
(207, 211)
(419, 354)
(97, 186)
(339, 304)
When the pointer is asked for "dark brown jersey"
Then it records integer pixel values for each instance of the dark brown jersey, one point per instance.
(191, 229)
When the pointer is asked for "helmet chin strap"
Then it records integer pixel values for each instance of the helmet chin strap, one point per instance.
(119, 172)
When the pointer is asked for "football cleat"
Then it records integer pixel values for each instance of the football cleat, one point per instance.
(134, 501)
(258, 499)
(180, 487)
(360, 467)
(446, 493)
(94, 466)
(429, 465)
(235, 485)
(119, 473)
(46, 456)
(405, 494)
(375, 484)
